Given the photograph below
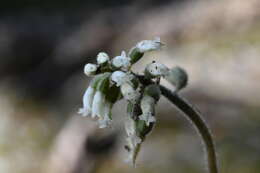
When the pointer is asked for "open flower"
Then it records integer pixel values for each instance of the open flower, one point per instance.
(149, 45)
(87, 101)
(121, 61)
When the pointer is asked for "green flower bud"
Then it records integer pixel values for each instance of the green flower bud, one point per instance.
(153, 91)
(178, 77)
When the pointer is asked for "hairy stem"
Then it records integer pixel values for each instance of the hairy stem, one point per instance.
(195, 116)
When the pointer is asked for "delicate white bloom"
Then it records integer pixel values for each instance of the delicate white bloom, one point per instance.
(120, 77)
(102, 58)
(98, 103)
(105, 120)
(121, 61)
(147, 106)
(149, 45)
(87, 101)
(129, 92)
(90, 69)
(157, 69)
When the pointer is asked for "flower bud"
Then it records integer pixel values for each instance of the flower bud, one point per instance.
(153, 91)
(87, 101)
(178, 77)
(90, 69)
(155, 70)
(102, 58)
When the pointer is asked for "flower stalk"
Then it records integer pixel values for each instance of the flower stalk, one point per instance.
(195, 116)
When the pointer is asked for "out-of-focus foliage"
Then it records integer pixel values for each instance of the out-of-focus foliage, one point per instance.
(43, 52)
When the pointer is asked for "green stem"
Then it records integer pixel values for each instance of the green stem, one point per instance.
(195, 116)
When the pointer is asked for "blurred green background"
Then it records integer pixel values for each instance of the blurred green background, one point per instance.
(44, 46)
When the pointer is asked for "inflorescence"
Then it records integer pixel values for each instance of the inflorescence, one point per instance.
(113, 80)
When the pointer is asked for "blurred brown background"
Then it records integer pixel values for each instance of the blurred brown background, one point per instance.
(45, 44)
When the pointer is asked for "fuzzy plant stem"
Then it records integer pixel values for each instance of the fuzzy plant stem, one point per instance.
(195, 116)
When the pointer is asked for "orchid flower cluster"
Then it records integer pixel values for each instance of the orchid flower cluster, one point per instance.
(113, 80)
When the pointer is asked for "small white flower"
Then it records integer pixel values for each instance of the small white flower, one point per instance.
(87, 101)
(121, 61)
(157, 69)
(102, 58)
(120, 77)
(129, 92)
(98, 103)
(90, 69)
(149, 45)
(147, 106)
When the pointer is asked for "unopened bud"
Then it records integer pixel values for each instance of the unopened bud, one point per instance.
(155, 70)
(90, 69)
(178, 77)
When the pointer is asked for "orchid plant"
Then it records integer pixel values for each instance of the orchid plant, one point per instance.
(113, 80)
